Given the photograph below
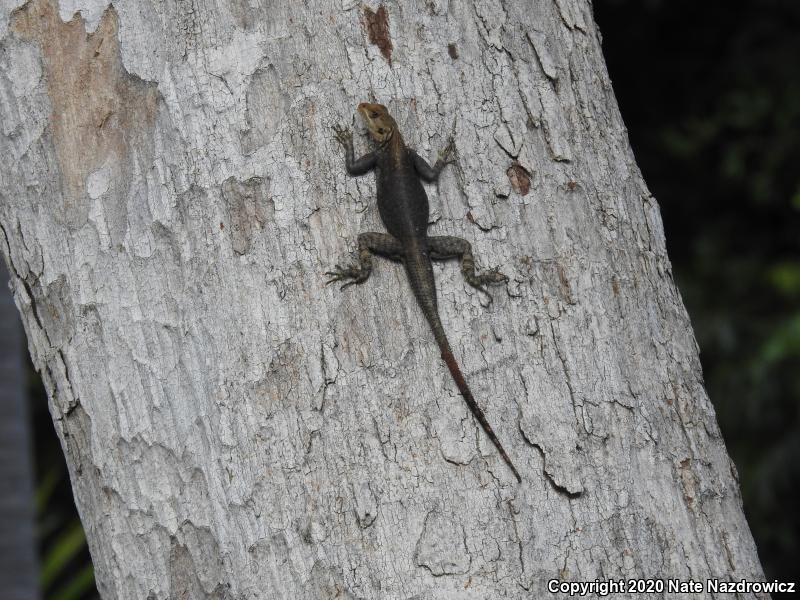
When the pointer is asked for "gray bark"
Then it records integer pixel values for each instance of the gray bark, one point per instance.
(235, 429)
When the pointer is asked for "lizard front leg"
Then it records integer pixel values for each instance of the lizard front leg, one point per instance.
(431, 173)
(354, 167)
(446, 246)
(368, 244)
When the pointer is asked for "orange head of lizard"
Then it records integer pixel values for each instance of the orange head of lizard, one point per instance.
(379, 122)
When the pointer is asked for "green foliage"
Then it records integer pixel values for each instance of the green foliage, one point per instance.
(64, 549)
(65, 569)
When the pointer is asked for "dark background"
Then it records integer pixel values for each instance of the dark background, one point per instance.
(710, 93)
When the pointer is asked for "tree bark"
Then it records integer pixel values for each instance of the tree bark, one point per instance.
(171, 195)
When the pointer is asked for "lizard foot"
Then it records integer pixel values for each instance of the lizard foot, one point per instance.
(343, 135)
(490, 277)
(343, 273)
(446, 156)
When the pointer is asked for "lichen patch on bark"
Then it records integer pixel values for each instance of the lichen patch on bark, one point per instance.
(99, 110)
(377, 23)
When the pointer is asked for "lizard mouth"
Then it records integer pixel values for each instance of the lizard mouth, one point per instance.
(365, 111)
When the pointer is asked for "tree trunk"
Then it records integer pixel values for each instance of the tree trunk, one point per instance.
(234, 428)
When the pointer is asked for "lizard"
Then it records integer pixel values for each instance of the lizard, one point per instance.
(404, 210)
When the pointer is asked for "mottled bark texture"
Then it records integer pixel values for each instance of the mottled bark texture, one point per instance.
(171, 194)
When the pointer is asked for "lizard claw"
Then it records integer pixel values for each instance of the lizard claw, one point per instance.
(489, 277)
(494, 277)
(335, 275)
(343, 135)
(341, 273)
(446, 156)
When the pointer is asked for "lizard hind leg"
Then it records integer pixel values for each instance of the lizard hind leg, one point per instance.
(447, 246)
(368, 244)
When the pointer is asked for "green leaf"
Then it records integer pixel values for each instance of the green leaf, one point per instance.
(783, 343)
(68, 545)
(785, 277)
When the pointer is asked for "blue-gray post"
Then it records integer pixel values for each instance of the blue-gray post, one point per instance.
(18, 569)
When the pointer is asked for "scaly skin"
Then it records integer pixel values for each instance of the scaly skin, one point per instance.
(403, 206)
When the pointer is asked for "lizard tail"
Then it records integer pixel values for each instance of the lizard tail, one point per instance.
(458, 377)
(420, 274)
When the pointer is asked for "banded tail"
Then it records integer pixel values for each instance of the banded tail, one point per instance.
(420, 276)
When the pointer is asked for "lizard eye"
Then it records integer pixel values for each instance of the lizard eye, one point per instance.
(381, 130)
(374, 115)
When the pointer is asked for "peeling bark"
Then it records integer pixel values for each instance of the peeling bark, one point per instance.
(171, 196)
(377, 23)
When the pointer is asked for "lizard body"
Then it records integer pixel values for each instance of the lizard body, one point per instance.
(404, 210)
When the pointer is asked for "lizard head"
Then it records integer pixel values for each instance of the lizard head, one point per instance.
(379, 122)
